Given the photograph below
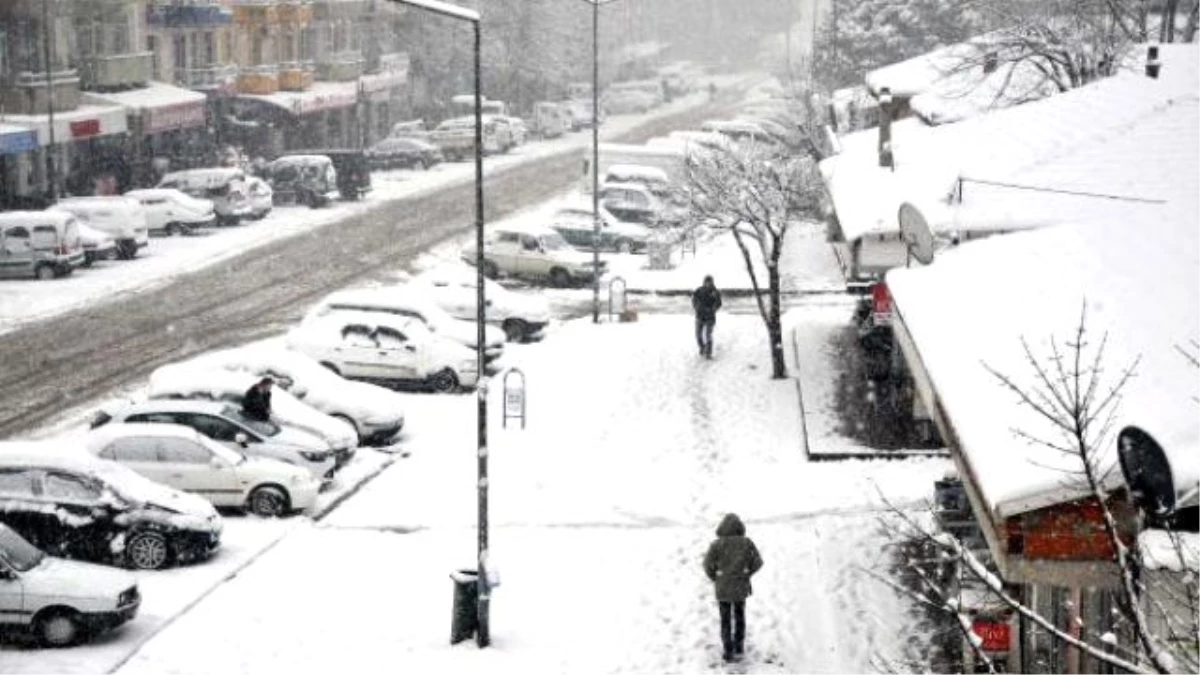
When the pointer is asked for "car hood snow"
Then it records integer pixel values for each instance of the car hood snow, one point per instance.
(73, 579)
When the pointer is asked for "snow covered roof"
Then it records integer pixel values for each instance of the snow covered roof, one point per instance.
(1173, 551)
(1001, 146)
(973, 306)
(153, 95)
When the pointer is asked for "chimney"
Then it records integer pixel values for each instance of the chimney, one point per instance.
(885, 128)
(1152, 63)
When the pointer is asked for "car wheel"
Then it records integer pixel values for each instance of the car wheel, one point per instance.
(147, 551)
(58, 628)
(347, 420)
(490, 270)
(624, 246)
(44, 272)
(269, 502)
(444, 382)
(174, 230)
(560, 278)
(515, 330)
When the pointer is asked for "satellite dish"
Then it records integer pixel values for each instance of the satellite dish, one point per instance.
(916, 233)
(1147, 472)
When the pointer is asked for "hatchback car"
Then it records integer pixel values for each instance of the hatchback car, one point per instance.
(72, 505)
(523, 317)
(180, 457)
(123, 218)
(537, 253)
(386, 348)
(58, 600)
(226, 424)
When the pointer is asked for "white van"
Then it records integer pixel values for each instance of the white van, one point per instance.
(42, 244)
(224, 186)
(122, 218)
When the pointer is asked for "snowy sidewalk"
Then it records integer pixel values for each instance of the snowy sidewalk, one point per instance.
(600, 511)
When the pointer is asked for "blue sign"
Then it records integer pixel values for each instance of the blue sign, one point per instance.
(17, 141)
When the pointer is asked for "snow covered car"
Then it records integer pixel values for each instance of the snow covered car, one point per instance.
(184, 459)
(261, 197)
(97, 245)
(377, 414)
(225, 423)
(386, 348)
(651, 177)
(522, 317)
(121, 217)
(171, 211)
(400, 301)
(58, 600)
(534, 253)
(73, 505)
(190, 381)
(576, 224)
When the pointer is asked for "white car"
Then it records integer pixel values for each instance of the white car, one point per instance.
(97, 245)
(387, 348)
(171, 211)
(261, 197)
(575, 221)
(225, 424)
(522, 317)
(534, 253)
(123, 218)
(60, 600)
(377, 414)
(193, 381)
(182, 458)
(400, 301)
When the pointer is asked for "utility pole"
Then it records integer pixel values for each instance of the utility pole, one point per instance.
(596, 156)
(51, 176)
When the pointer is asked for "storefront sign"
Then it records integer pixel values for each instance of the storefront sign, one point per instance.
(85, 128)
(881, 304)
(16, 141)
(996, 635)
(178, 116)
(311, 101)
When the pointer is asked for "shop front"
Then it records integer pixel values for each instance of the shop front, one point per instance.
(168, 130)
(324, 116)
(17, 147)
(88, 150)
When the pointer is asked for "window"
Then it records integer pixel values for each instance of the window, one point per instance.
(158, 418)
(213, 427)
(182, 451)
(3, 51)
(16, 240)
(358, 335)
(389, 338)
(132, 450)
(69, 487)
(529, 243)
(508, 237)
(16, 483)
(155, 59)
(179, 52)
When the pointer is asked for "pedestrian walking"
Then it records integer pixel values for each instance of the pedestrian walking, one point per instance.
(706, 300)
(256, 403)
(731, 560)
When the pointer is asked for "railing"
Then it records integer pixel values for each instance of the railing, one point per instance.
(261, 79)
(295, 75)
(114, 71)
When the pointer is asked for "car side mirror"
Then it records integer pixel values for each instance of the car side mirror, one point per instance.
(241, 439)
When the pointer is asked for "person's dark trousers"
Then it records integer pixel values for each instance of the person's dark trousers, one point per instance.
(704, 331)
(733, 638)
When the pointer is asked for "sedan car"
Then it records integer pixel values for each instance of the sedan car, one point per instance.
(537, 253)
(72, 505)
(226, 424)
(171, 211)
(522, 317)
(385, 348)
(194, 381)
(576, 223)
(377, 414)
(180, 457)
(403, 153)
(58, 600)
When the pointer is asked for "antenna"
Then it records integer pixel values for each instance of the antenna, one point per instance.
(914, 230)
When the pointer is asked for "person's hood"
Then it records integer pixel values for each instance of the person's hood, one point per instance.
(731, 526)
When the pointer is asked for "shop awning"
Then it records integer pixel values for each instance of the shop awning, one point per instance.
(87, 121)
(162, 107)
(14, 139)
(320, 97)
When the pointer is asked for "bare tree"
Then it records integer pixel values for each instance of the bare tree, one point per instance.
(757, 194)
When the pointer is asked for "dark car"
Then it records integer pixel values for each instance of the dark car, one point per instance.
(75, 506)
(403, 153)
(352, 166)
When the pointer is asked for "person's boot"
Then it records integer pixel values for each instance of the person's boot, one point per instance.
(739, 649)
(728, 657)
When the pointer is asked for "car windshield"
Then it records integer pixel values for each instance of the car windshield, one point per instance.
(262, 427)
(22, 555)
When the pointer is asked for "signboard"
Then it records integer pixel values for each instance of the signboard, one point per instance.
(314, 101)
(16, 141)
(85, 128)
(178, 116)
(881, 304)
(996, 635)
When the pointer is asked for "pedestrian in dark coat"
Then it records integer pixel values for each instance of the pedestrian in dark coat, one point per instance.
(706, 300)
(256, 403)
(730, 562)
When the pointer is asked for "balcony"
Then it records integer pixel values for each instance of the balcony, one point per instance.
(171, 15)
(115, 71)
(273, 13)
(341, 66)
(258, 80)
(213, 77)
(29, 95)
(295, 76)
(300, 13)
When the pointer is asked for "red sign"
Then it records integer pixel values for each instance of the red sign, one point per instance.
(996, 635)
(881, 304)
(179, 116)
(85, 128)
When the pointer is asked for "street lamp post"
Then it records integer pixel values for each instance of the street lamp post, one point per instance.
(483, 634)
(596, 156)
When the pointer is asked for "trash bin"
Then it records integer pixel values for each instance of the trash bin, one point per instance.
(465, 620)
